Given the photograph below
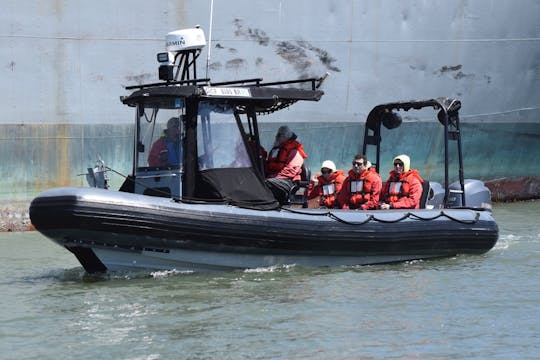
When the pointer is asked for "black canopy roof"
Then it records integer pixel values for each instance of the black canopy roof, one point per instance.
(264, 98)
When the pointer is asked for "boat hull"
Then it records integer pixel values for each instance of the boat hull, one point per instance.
(109, 230)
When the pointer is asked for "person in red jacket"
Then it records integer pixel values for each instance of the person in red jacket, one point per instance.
(328, 185)
(167, 150)
(284, 163)
(362, 187)
(403, 189)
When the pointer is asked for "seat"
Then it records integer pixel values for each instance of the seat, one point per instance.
(298, 195)
(425, 193)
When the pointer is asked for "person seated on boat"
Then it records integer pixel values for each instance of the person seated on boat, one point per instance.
(166, 151)
(403, 189)
(328, 185)
(362, 188)
(284, 163)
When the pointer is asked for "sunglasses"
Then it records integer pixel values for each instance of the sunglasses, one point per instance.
(355, 163)
(398, 164)
(326, 171)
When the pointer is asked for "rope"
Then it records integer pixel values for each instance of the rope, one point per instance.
(372, 217)
(330, 214)
(338, 219)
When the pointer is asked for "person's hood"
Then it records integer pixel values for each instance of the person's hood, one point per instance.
(329, 164)
(405, 160)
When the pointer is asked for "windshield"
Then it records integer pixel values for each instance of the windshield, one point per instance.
(219, 141)
(160, 138)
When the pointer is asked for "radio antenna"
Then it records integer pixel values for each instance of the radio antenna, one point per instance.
(210, 36)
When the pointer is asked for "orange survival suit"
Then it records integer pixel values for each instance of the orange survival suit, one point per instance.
(328, 190)
(281, 165)
(403, 191)
(361, 191)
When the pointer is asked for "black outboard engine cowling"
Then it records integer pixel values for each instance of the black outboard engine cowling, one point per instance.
(476, 194)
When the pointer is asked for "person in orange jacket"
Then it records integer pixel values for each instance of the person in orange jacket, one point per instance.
(328, 185)
(362, 187)
(403, 189)
(284, 163)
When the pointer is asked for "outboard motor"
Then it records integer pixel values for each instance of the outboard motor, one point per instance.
(435, 196)
(476, 194)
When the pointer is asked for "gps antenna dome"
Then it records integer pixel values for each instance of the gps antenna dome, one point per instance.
(183, 48)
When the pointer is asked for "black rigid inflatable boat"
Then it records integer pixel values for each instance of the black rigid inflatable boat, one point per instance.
(212, 209)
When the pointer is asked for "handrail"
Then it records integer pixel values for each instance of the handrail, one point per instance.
(180, 82)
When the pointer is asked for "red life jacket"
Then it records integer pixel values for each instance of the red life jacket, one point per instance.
(398, 186)
(360, 187)
(275, 164)
(328, 189)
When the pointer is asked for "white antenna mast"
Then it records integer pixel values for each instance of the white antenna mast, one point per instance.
(210, 36)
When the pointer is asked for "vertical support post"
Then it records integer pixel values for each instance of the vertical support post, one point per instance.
(260, 162)
(446, 190)
(136, 143)
(191, 165)
(455, 117)
(374, 139)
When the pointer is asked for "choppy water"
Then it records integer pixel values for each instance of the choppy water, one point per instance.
(468, 307)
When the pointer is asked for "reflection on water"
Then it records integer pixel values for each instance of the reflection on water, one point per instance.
(459, 307)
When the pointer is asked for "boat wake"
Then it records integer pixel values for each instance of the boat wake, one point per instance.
(271, 269)
(169, 273)
(506, 240)
(56, 276)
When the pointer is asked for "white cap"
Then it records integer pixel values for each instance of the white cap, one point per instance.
(329, 164)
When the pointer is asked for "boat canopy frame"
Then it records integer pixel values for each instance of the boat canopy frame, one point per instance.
(448, 116)
(267, 97)
(248, 97)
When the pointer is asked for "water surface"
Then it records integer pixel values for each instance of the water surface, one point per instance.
(466, 307)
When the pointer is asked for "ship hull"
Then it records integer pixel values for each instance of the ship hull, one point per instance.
(482, 52)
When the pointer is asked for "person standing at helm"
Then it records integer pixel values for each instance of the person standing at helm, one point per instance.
(362, 187)
(328, 185)
(166, 151)
(284, 163)
(403, 189)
